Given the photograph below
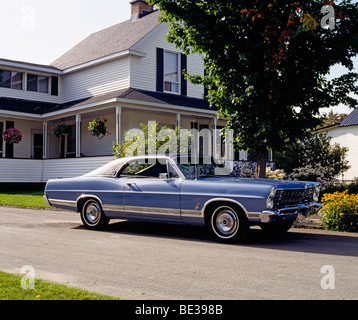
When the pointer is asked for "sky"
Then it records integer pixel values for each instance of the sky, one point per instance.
(40, 31)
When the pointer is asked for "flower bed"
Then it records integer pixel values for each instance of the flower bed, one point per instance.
(340, 211)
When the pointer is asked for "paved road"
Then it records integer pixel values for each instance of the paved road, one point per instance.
(150, 261)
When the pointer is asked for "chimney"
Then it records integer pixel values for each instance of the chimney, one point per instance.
(139, 8)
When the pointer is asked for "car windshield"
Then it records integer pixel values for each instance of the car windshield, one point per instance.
(199, 167)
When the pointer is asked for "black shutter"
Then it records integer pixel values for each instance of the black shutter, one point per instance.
(160, 70)
(9, 148)
(184, 86)
(54, 86)
(206, 91)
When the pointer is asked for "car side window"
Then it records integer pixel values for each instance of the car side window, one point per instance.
(143, 169)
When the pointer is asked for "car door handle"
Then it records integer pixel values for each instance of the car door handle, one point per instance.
(130, 184)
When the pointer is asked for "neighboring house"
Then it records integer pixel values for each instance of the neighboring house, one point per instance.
(127, 73)
(345, 134)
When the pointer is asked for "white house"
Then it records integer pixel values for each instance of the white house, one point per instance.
(345, 134)
(128, 74)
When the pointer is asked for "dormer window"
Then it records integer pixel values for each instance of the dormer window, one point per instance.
(171, 72)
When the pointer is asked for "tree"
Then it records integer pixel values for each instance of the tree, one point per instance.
(266, 61)
(331, 118)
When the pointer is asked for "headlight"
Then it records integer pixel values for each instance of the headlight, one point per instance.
(270, 198)
(317, 190)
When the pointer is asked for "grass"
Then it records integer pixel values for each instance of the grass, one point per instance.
(10, 289)
(23, 199)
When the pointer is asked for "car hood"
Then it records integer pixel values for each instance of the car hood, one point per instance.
(279, 184)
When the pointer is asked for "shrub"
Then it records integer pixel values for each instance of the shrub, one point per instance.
(340, 211)
(314, 173)
(316, 150)
(277, 174)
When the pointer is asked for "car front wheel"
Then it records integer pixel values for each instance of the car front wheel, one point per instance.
(228, 224)
(92, 215)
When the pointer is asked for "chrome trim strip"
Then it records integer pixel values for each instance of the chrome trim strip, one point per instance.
(58, 202)
(191, 213)
(225, 200)
(152, 210)
(113, 208)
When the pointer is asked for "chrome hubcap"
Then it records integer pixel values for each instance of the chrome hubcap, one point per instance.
(226, 222)
(93, 213)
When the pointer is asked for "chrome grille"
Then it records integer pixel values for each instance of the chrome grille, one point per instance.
(292, 197)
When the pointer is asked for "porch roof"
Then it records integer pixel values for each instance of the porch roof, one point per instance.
(25, 106)
(124, 95)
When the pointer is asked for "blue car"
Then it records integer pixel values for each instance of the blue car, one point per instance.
(184, 190)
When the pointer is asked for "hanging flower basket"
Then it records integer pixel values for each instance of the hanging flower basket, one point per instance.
(12, 136)
(60, 131)
(97, 128)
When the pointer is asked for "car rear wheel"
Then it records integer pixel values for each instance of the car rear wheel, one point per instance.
(228, 224)
(92, 215)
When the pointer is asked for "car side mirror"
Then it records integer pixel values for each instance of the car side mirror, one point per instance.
(163, 176)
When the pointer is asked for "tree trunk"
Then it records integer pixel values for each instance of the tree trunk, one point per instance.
(261, 162)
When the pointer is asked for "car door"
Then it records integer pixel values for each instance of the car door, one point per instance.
(150, 193)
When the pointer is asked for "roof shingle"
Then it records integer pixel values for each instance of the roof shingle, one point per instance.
(117, 38)
(351, 119)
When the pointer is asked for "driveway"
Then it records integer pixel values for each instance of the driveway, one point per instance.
(156, 261)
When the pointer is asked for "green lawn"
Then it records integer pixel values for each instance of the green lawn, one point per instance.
(23, 199)
(10, 289)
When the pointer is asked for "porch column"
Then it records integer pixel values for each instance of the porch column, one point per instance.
(44, 137)
(78, 135)
(178, 119)
(215, 141)
(118, 123)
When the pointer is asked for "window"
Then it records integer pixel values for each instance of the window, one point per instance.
(37, 83)
(5, 79)
(142, 169)
(16, 80)
(170, 75)
(171, 72)
(11, 79)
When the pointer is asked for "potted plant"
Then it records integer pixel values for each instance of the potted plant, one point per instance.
(60, 130)
(12, 136)
(97, 128)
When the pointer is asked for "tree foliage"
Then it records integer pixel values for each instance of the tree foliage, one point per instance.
(266, 61)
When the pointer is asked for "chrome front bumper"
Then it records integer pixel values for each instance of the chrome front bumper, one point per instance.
(288, 213)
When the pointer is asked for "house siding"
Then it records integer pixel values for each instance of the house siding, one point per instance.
(144, 70)
(28, 95)
(347, 137)
(23, 171)
(91, 146)
(97, 80)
